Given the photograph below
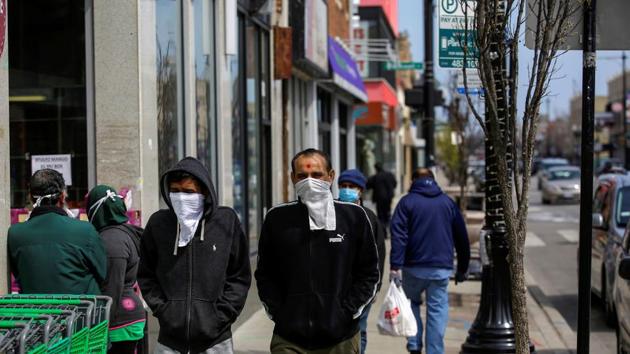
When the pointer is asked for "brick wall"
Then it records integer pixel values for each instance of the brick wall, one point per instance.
(339, 18)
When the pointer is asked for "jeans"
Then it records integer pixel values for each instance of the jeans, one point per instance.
(437, 311)
(363, 327)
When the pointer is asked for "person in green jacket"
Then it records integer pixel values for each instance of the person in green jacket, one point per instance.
(52, 253)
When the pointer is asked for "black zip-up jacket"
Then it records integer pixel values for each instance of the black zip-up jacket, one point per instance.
(315, 284)
(122, 243)
(197, 291)
(379, 235)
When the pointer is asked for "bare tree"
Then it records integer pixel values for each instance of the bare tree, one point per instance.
(496, 30)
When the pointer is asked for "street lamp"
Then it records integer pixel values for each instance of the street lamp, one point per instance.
(493, 332)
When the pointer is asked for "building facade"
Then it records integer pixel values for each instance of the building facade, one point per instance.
(116, 92)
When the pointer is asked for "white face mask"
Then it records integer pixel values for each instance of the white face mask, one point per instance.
(189, 209)
(316, 195)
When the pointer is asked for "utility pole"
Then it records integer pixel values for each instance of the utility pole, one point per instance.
(428, 126)
(589, 60)
(624, 112)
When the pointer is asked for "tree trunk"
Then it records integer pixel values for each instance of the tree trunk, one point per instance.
(519, 293)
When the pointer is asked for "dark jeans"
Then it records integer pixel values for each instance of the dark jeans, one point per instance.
(126, 347)
(384, 211)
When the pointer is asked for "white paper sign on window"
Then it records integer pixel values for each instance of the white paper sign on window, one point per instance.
(59, 163)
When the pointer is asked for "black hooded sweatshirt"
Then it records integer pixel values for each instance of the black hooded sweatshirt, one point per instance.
(198, 291)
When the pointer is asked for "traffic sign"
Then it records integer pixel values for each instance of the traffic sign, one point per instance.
(473, 81)
(471, 90)
(406, 65)
(456, 19)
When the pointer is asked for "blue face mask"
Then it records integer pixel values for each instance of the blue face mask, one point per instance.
(350, 195)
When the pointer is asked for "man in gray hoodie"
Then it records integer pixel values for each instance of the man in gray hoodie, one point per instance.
(194, 264)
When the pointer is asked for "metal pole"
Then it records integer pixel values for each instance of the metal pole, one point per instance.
(429, 128)
(586, 208)
(624, 112)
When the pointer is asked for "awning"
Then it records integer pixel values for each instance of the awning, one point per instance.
(379, 90)
(344, 70)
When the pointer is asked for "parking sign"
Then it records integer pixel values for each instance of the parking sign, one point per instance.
(452, 30)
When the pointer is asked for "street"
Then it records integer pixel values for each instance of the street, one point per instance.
(551, 260)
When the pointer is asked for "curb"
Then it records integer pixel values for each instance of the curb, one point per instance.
(559, 324)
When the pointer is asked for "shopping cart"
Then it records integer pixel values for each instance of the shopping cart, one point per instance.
(88, 332)
(23, 335)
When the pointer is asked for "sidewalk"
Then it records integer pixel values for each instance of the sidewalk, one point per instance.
(254, 335)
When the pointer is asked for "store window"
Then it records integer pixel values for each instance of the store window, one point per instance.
(47, 92)
(324, 120)
(205, 87)
(343, 136)
(251, 125)
(169, 83)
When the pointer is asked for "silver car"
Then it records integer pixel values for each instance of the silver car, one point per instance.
(561, 184)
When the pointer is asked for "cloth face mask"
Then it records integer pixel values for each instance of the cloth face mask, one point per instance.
(317, 197)
(189, 209)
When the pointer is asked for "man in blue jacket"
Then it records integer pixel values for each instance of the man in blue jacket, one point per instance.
(425, 228)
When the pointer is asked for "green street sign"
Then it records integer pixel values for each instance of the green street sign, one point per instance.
(407, 65)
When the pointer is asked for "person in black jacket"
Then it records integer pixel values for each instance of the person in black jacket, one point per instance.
(317, 264)
(194, 266)
(107, 212)
(382, 185)
(351, 186)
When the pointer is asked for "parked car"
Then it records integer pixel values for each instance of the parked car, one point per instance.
(621, 293)
(611, 212)
(561, 184)
(546, 164)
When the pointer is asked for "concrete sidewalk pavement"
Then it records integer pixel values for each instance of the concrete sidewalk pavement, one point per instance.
(254, 335)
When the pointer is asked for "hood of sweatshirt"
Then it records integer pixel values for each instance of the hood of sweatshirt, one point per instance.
(426, 187)
(193, 167)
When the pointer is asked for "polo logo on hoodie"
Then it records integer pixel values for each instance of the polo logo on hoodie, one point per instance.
(336, 239)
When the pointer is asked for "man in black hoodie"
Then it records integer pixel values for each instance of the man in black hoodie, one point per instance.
(194, 268)
(317, 264)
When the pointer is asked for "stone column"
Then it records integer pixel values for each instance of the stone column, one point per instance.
(125, 110)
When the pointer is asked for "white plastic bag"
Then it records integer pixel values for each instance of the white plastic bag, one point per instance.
(396, 318)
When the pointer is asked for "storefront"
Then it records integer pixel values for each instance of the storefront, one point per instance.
(251, 119)
(48, 90)
(377, 125)
(185, 80)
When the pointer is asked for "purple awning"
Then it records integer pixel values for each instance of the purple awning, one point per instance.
(344, 70)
